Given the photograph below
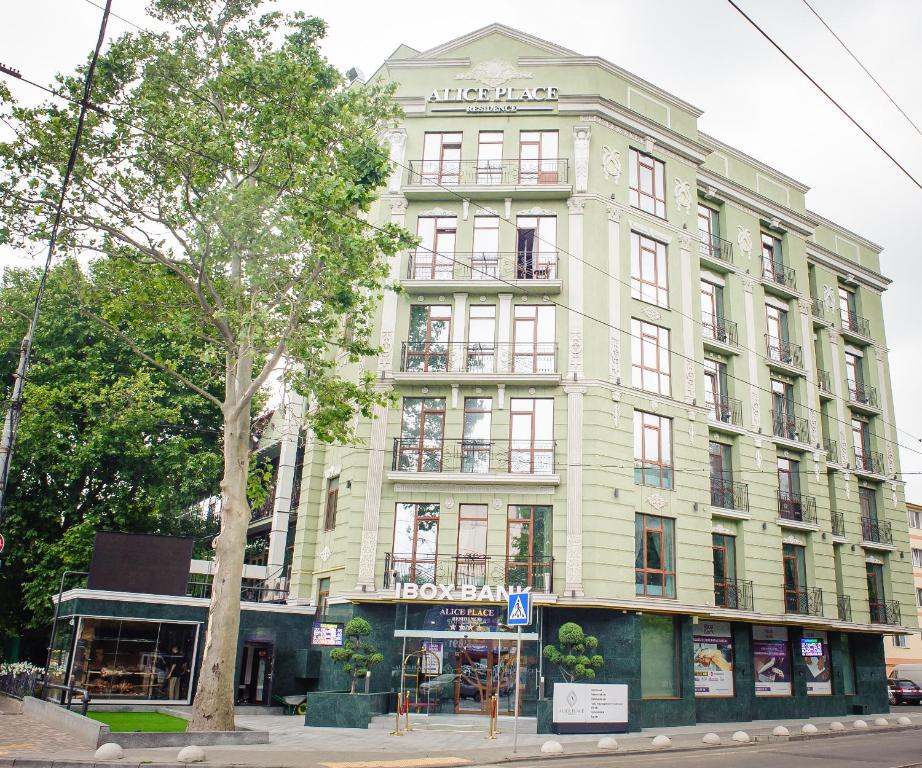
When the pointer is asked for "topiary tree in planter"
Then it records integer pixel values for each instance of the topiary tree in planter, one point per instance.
(574, 657)
(357, 656)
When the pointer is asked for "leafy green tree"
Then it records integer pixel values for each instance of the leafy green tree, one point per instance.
(230, 157)
(573, 657)
(106, 441)
(357, 656)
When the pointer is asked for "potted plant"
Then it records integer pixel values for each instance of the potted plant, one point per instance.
(357, 656)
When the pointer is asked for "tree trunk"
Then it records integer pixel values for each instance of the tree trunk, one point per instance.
(213, 708)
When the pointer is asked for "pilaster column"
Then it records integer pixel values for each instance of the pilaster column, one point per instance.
(836, 364)
(389, 301)
(754, 394)
(504, 333)
(614, 293)
(459, 332)
(574, 565)
(377, 455)
(397, 142)
(806, 334)
(575, 288)
(581, 136)
(284, 483)
(885, 411)
(688, 324)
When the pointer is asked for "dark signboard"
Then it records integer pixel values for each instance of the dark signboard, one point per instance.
(462, 618)
(138, 562)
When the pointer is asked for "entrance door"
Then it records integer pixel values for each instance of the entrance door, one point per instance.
(254, 684)
(484, 669)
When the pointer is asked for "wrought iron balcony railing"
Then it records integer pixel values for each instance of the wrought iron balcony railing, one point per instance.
(806, 601)
(716, 248)
(832, 449)
(818, 308)
(475, 457)
(469, 570)
(824, 381)
(785, 352)
(855, 323)
(720, 329)
(726, 410)
(265, 510)
(869, 461)
(725, 494)
(789, 426)
(863, 394)
(876, 531)
(844, 604)
(489, 173)
(797, 507)
(525, 357)
(483, 265)
(884, 611)
(838, 524)
(779, 274)
(733, 593)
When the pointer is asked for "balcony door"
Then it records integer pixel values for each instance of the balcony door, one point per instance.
(783, 410)
(441, 158)
(709, 229)
(471, 563)
(876, 595)
(854, 375)
(528, 546)
(490, 157)
(721, 475)
(778, 339)
(485, 257)
(772, 258)
(795, 583)
(789, 502)
(712, 311)
(531, 436)
(861, 442)
(434, 257)
(725, 592)
(481, 345)
(848, 309)
(536, 248)
(538, 163)
(475, 444)
(422, 431)
(416, 536)
(715, 390)
(429, 333)
(534, 334)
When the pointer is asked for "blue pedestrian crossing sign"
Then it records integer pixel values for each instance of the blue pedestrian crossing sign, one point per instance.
(518, 611)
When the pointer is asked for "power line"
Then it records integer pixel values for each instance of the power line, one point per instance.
(858, 62)
(826, 94)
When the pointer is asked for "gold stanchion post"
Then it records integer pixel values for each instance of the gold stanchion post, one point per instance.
(396, 731)
(406, 711)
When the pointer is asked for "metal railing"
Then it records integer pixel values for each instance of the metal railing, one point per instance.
(844, 605)
(863, 394)
(877, 531)
(806, 601)
(796, 507)
(832, 449)
(720, 329)
(884, 611)
(838, 524)
(490, 173)
(67, 695)
(469, 570)
(21, 684)
(483, 265)
(789, 426)
(726, 410)
(851, 321)
(517, 457)
(818, 308)
(266, 509)
(273, 589)
(478, 357)
(726, 494)
(780, 274)
(824, 381)
(784, 352)
(716, 248)
(733, 593)
(870, 461)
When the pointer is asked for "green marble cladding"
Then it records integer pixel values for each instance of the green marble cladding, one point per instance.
(338, 709)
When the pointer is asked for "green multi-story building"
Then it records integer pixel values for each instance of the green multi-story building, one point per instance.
(629, 371)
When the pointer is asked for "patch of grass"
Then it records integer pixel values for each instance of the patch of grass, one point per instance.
(147, 722)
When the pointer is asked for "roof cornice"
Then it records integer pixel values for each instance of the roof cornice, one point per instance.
(839, 228)
(846, 267)
(716, 144)
(516, 34)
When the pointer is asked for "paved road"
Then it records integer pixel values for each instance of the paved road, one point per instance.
(882, 750)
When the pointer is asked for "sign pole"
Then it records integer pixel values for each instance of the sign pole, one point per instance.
(518, 676)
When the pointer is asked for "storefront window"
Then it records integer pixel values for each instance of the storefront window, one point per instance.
(657, 657)
(133, 659)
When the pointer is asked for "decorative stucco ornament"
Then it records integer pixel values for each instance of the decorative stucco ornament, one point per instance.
(653, 313)
(611, 163)
(656, 501)
(494, 73)
(616, 408)
(614, 358)
(744, 240)
(683, 195)
(828, 296)
(581, 137)
(325, 554)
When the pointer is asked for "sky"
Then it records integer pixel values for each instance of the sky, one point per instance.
(702, 51)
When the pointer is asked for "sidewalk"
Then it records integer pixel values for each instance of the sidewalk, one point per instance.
(447, 741)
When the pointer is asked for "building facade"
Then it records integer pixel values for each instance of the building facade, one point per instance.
(907, 649)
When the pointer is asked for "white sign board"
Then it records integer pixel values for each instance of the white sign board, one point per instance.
(587, 707)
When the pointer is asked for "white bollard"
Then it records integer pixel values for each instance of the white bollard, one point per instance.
(662, 742)
(904, 720)
(607, 742)
(740, 737)
(780, 730)
(711, 738)
(191, 754)
(552, 748)
(860, 725)
(109, 751)
(809, 729)
(881, 721)
(836, 726)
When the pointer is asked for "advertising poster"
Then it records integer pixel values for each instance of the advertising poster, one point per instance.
(713, 643)
(815, 651)
(771, 654)
(327, 634)
(431, 663)
(589, 708)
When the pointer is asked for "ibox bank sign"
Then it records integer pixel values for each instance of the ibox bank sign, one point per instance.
(466, 592)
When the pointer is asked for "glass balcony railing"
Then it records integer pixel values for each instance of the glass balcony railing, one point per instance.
(474, 457)
(483, 265)
(479, 357)
(469, 570)
(489, 173)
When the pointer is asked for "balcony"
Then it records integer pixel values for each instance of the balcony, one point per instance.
(818, 310)
(716, 251)
(796, 508)
(474, 461)
(789, 427)
(804, 601)
(725, 494)
(733, 593)
(483, 271)
(844, 605)
(884, 611)
(779, 277)
(253, 589)
(263, 513)
(440, 179)
(874, 531)
(469, 571)
(863, 397)
(855, 326)
(869, 462)
(719, 331)
(477, 362)
(832, 450)
(838, 525)
(824, 383)
(783, 354)
(725, 414)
